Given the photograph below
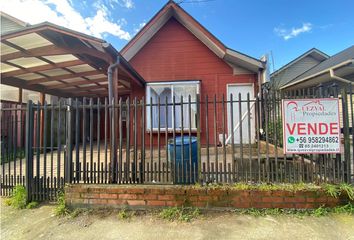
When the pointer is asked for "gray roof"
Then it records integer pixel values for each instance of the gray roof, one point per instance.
(318, 54)
(336, 59)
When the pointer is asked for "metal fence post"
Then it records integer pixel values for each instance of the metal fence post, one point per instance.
(352, 116)
(198, 142)
(28, 150)
(69, 143)
(113, 145)
(345, 118)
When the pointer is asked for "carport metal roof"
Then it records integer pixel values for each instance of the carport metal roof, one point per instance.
(61, 62)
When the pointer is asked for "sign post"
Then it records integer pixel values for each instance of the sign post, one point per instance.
(311, 126)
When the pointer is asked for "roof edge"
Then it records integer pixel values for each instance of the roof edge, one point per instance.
(249, 62)
(14, 19)
(342, 64)
(52, 26)
(173, 10)
(295, 60)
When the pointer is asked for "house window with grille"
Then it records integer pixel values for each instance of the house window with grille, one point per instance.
(164, 93)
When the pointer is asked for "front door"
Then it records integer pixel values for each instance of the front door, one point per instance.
(235, 90)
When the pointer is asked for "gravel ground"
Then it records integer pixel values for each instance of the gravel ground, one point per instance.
(40, 223)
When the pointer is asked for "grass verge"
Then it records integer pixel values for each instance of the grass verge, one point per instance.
(61, 209)
(18, 199)
(180, 214)
(318, 212)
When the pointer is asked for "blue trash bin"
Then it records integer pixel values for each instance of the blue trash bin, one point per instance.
(185, 171)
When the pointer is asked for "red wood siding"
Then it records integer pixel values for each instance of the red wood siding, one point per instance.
(174, 54)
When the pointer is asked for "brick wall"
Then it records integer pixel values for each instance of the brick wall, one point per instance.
(140, 196)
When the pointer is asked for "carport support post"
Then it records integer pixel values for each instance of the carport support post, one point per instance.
(69, 143)
(42, 100)
(28, 150)
(20, 95)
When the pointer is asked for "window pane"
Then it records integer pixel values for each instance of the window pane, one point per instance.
(184, 91)
(30, 95)
(9, 93)
(164, 93)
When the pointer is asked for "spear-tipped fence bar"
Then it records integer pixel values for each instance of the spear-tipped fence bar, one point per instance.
(131, 141)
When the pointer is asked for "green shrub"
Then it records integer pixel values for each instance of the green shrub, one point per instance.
(180, 214)
(321, 211)
(76, 212)
(276, 186)
(317, 212)
(32, 205)
(61, 208)
(18, 198)
(347, 189)
(7, 201)
(347, 209)
(124, 214)
(331, 190)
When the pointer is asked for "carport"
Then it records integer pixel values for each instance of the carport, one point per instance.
(58, 61)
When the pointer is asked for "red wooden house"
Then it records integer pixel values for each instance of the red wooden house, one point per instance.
(172, 57)
(178, 57)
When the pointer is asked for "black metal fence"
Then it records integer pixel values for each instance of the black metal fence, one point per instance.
(163, 141)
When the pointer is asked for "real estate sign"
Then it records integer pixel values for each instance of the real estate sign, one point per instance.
(311, 126)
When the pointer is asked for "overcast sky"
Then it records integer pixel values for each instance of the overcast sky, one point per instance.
(255, 27)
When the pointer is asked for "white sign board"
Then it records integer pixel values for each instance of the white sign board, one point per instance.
(311, 126)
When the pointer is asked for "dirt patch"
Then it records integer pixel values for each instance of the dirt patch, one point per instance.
(102, 224)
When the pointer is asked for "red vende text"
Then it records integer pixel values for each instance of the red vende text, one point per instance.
(313, 128)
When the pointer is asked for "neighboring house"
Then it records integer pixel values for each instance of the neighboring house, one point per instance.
(178, 57)
(297, 67)
(306, 73)
(9, 23)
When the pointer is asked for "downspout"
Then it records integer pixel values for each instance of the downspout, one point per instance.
(110, 79)
(112, 113)
(259, 81)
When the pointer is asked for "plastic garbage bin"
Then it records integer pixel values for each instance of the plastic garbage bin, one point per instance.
(185, 171)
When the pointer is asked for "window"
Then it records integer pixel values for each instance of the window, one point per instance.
(9, 93)
(30, 95)
(165, 92)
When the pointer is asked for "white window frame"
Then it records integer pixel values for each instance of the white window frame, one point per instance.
(172, 84)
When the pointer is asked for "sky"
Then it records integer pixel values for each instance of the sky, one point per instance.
(283, 29)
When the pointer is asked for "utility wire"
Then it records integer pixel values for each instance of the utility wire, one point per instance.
(194, 1)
